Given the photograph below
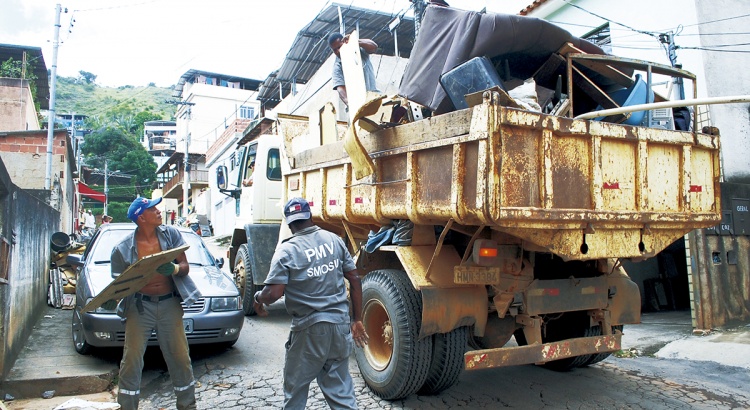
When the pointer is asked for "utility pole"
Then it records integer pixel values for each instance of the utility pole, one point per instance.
(106, 187)
(52, 92)
(186, 178)
(668, 39)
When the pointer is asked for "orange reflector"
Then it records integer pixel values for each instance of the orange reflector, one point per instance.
(552, 292)
(487, 252)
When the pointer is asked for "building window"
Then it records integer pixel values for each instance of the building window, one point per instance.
(247, 112)
(601, 37)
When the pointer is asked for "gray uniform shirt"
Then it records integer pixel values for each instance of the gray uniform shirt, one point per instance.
(125, 254)
(337, 78)
(312, 264)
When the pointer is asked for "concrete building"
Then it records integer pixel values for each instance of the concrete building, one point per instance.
(301, 86)
(207, 104)
(21, 92)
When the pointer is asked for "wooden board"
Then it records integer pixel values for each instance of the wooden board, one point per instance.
(354, 75)
(134, 278)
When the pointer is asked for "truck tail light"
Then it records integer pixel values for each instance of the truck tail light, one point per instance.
(484, 252)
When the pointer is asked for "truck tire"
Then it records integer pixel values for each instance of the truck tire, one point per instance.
(79, 338)
(447, 361)
(596, 358)
(395, 362)
(243, 278)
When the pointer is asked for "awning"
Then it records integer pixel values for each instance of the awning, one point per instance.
(84, 190)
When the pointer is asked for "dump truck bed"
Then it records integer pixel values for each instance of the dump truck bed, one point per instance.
(580, 189)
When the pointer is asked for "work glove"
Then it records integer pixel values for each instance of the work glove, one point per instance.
(109, 305)
(168, 269)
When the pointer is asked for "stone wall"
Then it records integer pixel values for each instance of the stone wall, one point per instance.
(26, 225)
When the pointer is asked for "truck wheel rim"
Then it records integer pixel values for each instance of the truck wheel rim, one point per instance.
(239, 277)
(379, 350)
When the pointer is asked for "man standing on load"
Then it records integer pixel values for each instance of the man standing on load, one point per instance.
(366, 47)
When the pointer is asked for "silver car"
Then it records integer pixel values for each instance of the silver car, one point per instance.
(216, 318)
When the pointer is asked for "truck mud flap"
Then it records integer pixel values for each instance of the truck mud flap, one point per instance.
(261, 244)
(541, 353)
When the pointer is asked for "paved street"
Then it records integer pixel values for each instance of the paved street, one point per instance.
(249, 376)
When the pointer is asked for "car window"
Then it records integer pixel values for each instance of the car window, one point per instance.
(197, 254)
(104, 244)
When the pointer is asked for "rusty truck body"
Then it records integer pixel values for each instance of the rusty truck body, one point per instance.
(520, 222)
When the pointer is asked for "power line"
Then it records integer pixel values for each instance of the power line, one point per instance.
(716, 21)
(711, 49)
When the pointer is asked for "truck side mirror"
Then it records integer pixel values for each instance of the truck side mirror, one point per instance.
(221, 177)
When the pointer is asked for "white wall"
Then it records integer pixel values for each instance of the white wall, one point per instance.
(215, 108)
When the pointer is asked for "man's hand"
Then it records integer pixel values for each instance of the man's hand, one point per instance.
(168, 269)
(359, 334)
(259, 307)
(109, 305)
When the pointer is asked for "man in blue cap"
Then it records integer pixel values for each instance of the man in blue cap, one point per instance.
(310, 268)
(156, 306)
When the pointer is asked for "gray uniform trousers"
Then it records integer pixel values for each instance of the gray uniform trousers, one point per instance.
(320, 351)
(166, 317)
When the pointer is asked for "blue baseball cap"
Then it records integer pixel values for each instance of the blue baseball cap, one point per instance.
(297, 209)
(139, 205)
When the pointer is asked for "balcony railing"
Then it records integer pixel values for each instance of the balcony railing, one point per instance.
(196, 177)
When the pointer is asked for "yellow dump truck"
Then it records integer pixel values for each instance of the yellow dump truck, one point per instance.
(515, 220)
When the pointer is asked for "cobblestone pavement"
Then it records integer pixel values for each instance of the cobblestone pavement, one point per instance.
(242, 378)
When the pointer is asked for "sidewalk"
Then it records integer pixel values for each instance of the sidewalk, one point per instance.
(49, 362)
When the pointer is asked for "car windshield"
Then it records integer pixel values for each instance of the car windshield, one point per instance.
(197, 254)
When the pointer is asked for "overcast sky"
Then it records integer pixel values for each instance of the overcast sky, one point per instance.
(136, 42)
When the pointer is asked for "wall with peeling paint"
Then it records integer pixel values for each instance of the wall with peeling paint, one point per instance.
(26, 225)
(721, 267)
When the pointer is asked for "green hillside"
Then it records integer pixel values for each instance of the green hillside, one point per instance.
(76, 95)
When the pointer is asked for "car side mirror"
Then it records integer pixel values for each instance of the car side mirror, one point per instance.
(220, 262)
(74, 259)
(221, 177)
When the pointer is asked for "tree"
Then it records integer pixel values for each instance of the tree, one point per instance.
(122, 152)
(87, 77)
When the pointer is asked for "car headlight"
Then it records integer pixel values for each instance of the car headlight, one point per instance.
(225, 304)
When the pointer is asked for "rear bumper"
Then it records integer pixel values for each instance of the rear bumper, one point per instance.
(541, 353)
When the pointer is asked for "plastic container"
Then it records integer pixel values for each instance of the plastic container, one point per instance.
(477, 74)
(638, 93)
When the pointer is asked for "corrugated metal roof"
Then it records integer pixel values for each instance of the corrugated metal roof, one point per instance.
(310, 48)
(245, 83)
(36, 59)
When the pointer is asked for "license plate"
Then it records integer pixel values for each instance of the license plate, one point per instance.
(476, 275)
(187, 324)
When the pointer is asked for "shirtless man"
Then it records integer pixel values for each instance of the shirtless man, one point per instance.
(156, 306)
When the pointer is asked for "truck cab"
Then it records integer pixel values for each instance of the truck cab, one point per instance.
(252, 175)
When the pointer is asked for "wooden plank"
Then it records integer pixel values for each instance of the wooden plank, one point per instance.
(135, 277)
(354, 75)
(328, 133)
(547, 74)
(597, 95)
(607, 71)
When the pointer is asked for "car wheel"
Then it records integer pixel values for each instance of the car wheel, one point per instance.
(395, 362)
(79, 337)
(243, 278)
